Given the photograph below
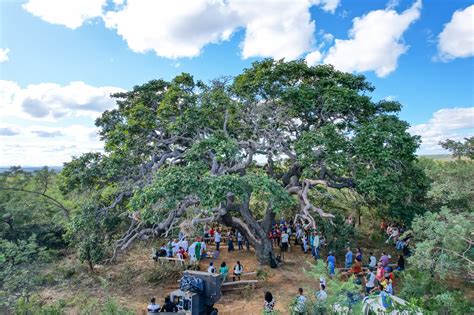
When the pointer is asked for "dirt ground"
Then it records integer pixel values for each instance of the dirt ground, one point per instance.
(127, 283)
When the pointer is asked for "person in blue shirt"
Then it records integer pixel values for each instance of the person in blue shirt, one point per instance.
(331, 262)
(349, 258)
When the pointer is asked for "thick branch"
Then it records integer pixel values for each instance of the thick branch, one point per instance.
(50, 199)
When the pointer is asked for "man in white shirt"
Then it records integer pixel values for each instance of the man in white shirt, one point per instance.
(285, 238)
(153, 308)
(192, 252)
(217, 239)
(175, 246)
(372, 261)
(316, 245)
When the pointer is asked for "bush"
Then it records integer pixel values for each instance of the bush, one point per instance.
(262, 274)
(432, 294)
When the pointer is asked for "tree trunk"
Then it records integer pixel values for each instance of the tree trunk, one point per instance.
(248, 226)
(263, 251)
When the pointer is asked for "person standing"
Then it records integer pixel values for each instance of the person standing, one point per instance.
(300, 307)
(285, 238)
(238, 270)
(269, 304)
(384, 259)
(316, 244)
(230, 242)
(372, 260)
(331, 263)
(359, 254)
(349, 258)
(192, 253)
(240, 240)
(224, 271)
(217, 239)
(370, 281)
(322, 296)
(401, 263)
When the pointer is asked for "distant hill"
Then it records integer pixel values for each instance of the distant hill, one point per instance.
(440, 157)
(31, 168)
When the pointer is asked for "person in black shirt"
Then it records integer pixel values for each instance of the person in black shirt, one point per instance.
(169, 306)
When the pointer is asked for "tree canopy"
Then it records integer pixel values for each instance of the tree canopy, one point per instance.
(278, 135)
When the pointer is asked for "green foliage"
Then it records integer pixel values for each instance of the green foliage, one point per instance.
(431, 294)
(337, 234)
(444, 243)
(24, 211)
(18, 277)
(336, 289)
(27, 307)
(460, 149)
(452, 184)
(88, 233)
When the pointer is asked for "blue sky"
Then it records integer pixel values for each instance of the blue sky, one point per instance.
(61, 58)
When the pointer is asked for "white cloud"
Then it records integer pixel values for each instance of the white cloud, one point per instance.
(4, 54)
(328, 5)
(180, 28)
(313, 58)
(452, 123)
(43, 145)
(457, 38)
(172, 28)
(49, 101)
(375, 42)
(70, 13)
(278, 29)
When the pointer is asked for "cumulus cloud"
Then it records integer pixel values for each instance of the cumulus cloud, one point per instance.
(70, 13)
(6, 131)
(50, 101)
(278, 29)
(47, 134)
(313, 58)
(172, 28)
(180, 28)
(44, 145)
(4, 54)
(457, 38)
(448, 123)
(375, 41)
(328, 5)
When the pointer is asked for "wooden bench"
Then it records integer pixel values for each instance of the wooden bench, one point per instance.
(178, 261)
(238, 285)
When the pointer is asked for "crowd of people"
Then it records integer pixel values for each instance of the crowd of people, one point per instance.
(376, 276)
(197, 250)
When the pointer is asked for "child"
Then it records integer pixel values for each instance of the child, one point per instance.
(211, 268)
(238, 270)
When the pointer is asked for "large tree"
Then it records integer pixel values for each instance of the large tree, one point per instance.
(238, 150)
